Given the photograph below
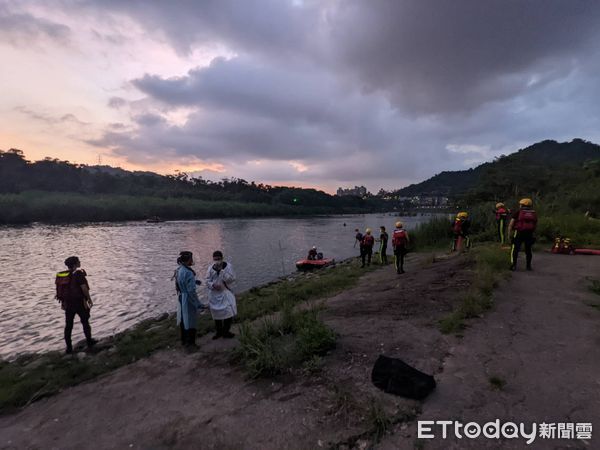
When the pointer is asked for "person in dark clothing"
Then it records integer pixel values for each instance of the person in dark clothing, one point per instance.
(501, 215)
(400, 242)
(521, 229)
(358, 237)
(366, 247)
(312, 253)
(73, 292)
(383, 243)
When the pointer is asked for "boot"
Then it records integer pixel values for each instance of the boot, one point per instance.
(219, 327)
(184, 337)
(191, 335)
(226, 326)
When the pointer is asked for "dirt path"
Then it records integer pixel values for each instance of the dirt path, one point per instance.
(543, 345)
(543, 340)
(174, 400)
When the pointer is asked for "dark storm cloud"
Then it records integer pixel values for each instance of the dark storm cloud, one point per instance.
(428, 57)
(447, 56)
(375, 91)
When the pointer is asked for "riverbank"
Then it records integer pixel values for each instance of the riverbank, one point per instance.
(68, 207)
(177, 400)
(173, 399)
(34, 376)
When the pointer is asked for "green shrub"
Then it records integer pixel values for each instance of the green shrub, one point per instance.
(275, 346)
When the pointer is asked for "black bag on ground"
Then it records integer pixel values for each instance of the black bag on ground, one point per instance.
(396, 377)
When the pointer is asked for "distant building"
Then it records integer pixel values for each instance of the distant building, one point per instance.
(358, 191)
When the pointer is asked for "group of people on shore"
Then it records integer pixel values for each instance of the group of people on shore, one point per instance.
(400, 242)
(73, 293)
(520, 230)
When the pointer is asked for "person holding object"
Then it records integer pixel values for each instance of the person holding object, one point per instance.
(221, 300)
(73, 293)
(189, 303)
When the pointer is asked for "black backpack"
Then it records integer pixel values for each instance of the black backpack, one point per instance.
(394, 376)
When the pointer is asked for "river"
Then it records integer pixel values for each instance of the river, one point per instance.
(130, 265)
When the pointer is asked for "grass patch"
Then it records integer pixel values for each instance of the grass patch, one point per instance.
(380, 421)
(491, 265)
(432, 235)
(31, 377)
(497, 383)
(278, 345)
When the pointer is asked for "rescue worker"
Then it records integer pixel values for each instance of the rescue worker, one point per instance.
(223, 306)
(312, 253)
(358, 237)
(400, 242)
(461, 227)
(73, 292)
(188, 301)
(521, 229)
(383, 243)
(366, 247)
(501, 217)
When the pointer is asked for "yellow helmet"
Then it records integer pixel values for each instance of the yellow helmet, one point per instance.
(462, 215)
(525, 202)
(368, 231)
(399, 224)
(499, 205)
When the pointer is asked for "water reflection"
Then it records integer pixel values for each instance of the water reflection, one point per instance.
(130, 266)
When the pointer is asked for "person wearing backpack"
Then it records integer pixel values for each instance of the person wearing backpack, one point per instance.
(521, 229)
(73, 293)
(188, 301)
(501, 215)
(400, 246)
(366, 247)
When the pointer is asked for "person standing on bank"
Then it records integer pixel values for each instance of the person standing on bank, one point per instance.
(189, 303)
(383, 243)
(521, 229)
(73, 292)
(400, 242)
(366, 247)
(221, 300)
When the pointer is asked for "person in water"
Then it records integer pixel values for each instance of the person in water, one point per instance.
(221, 300)
(189, 303)
(73, 292)
(383, 243)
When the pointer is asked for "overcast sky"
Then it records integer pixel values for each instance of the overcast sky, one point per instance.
(312, 93)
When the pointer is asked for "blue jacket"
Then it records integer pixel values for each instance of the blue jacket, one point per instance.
(187, 308)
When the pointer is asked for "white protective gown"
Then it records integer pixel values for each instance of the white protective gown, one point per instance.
(221, 302)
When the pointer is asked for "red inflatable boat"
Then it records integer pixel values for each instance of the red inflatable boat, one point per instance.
(309, 264)
(586, 251)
